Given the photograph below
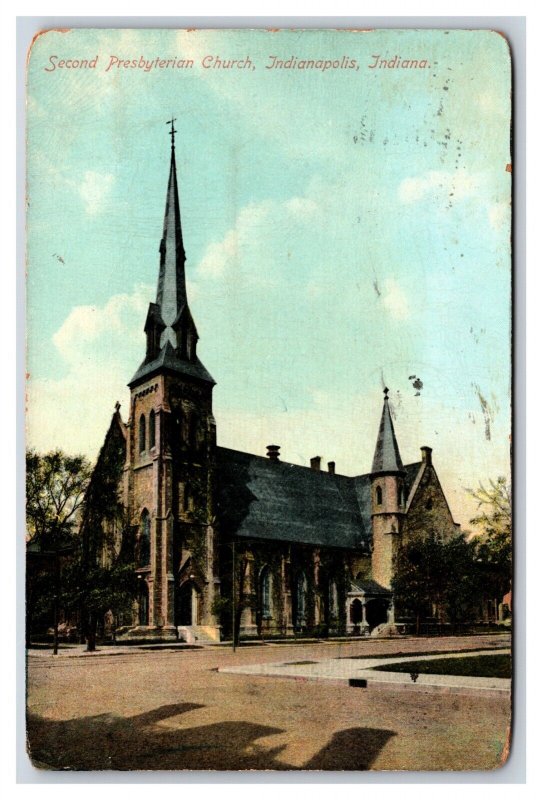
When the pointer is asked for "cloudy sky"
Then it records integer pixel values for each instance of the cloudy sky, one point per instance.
(344, 229)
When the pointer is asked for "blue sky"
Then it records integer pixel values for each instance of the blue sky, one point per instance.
(343, 229)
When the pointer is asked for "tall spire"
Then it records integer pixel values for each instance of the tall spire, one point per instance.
(171, 332)
(171, 292)
(387, 457)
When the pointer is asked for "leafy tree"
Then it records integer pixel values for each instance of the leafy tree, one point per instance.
(494, 542)
(98, 589)
(441, 574)
(464, 581)
(55, 488)
(419, 578)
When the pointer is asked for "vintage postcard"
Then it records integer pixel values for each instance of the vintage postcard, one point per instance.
(268, 400)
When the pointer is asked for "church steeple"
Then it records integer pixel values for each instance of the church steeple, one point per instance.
(171, 332)
(387, 457)
(171, 292)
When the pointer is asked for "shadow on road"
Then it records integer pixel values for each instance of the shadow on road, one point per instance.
(107, 741)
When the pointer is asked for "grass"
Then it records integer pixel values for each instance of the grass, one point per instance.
(402, 654)
(490, 666)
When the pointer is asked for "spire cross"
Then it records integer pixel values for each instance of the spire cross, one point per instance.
(386, 390)
(172, 131)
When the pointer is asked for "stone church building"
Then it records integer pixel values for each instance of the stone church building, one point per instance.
(218, 534)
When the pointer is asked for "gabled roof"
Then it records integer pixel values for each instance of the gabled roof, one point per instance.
(258, 498)
(263, 499)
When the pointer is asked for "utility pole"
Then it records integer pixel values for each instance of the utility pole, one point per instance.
(233, 594)
(55, 603)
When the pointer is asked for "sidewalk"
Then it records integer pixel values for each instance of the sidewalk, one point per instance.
(360, 672)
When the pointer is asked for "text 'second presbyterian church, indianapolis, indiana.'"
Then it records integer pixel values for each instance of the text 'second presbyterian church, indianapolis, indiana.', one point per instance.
(312, 551)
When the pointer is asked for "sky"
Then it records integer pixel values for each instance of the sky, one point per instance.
(346, 228)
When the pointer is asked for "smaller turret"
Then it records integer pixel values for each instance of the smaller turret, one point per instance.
(387, 498)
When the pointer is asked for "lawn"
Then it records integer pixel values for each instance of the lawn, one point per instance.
(490, 666)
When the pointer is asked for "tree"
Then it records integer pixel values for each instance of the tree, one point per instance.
(55, 487)
(494, 542)
(443, 575)
(419, 578)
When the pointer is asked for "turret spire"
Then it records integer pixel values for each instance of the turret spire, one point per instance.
(387, 457)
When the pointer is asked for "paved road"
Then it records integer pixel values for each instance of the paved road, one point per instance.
(172, 709)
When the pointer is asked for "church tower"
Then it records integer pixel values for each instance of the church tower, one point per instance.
(170, 452)
(387, 499)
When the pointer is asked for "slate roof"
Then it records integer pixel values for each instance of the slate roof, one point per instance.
(169, 360)
(368, 586)
(258, 498)
(387, 457)
(263, 499)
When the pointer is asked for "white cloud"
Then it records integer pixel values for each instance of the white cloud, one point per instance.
(255, 225)
(94, 190)
(438, 184)
(395, 300)
(101, 350)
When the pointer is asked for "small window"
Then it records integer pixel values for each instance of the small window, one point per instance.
(142, 434)
(193, 431)
(145, 540)
(429, 504)
(379, 495)
(265, 582)
(152, 430)
(301, 600)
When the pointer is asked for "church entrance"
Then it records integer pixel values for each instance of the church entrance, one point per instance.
(356, 612)
(187, 606)
(376, 611)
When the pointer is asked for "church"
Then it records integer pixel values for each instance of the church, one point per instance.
(220, 535)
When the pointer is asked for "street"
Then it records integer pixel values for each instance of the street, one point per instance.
(170, 708)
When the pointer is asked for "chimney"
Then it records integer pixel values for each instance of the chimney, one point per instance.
(315, 463)
(331, 467)
(273, 451)
(426, 455)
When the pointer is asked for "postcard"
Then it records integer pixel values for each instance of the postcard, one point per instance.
(268, 400)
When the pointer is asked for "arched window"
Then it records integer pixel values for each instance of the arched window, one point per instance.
(399, 495)
(379, 495)
(301, 600)
(333, 599)
(142, 434)
(145, 540)
(265, 586)
(152, 430)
